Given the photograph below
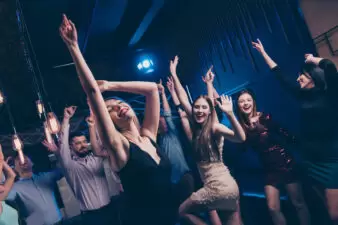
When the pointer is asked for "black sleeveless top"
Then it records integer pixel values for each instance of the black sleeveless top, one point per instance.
(148, 188)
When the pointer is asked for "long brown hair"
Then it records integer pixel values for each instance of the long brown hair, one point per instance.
(244, 120)
(204, 143)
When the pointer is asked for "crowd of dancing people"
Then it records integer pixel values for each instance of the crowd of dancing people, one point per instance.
(145, 162)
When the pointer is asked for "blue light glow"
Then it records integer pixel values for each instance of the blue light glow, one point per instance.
(145, 64)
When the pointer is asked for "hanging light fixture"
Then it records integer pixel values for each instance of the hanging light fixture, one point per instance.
(53, 123)
(40, 107)
(2, 98)
(48, 135)
(17, 145)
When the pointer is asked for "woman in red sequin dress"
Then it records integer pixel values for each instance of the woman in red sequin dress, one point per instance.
(270, 141)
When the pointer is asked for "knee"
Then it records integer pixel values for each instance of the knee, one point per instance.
(333, 213)
(299, 204)
(181, 212)
(273, 208)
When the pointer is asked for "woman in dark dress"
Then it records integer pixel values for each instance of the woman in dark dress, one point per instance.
(317, 94)
(144, 171)
(270, 141)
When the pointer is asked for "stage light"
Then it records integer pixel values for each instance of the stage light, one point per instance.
(2, 98)
(145, 64)
(53, 123)
(139, 66)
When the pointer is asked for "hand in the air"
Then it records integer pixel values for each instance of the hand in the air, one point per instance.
(173, 66)
(225, 104)
(69, 112)
(68, 32)
(258, 46)
(209, 76)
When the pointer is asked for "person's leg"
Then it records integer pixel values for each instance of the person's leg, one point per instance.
(214, 218)
(331, 199)
(273, 201)
(231, 217)
(295, 194)
(187, 210)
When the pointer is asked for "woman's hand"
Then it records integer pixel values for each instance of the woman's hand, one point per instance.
(103, 85)
(309, 58)
(68, 32)
(90, 121)
(226, 104)
(209, 76)
(173, 66)
(160, 87)
(258, 46)
(170, 85)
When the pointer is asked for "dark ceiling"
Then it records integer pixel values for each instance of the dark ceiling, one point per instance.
(112, 33)
(109, 31)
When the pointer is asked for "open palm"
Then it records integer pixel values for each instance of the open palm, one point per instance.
(225, 104)
(173, 66)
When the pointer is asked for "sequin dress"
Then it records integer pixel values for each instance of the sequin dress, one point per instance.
(269, 140)
(220, 190)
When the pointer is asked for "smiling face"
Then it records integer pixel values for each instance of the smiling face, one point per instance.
(201, 110)
(246, 104)
(120, 113)
(305, 81)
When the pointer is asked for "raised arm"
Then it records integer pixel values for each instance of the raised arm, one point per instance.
(152, 108)
(63, 151)
(330, 71)
(110, 137)
(208, 79)
(10, 177)
(165, 103)
(286, 82)
(97, 148)
(183, 115)
(180, 91)
(235, 135)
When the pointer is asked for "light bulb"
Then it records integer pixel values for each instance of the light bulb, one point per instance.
(40, 107)
(48, 135)
(2, 98)
(53, 123)
(16, 142)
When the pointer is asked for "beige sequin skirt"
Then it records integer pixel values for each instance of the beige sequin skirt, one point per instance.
(220, 190)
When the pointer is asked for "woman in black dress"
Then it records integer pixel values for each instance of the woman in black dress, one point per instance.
(317, 94)
(145, 172)
(270, 141)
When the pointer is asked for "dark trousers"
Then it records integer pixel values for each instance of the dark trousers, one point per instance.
(107, 215)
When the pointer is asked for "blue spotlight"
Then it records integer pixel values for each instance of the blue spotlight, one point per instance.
(145, 64)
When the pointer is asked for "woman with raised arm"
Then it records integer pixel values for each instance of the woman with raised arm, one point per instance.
(8, 215)
(270, 142)
(220, 191)
(317, 93)
(145, 172)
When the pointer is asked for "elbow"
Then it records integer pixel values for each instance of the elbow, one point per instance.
(153, 89)
(241, 138)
